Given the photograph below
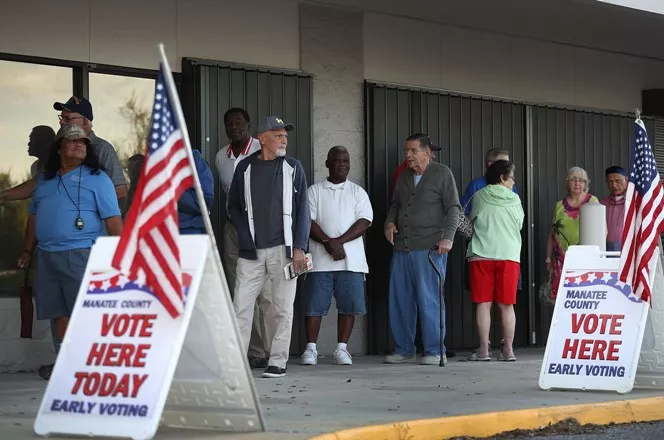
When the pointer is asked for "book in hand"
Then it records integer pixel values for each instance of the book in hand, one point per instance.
(290, 272)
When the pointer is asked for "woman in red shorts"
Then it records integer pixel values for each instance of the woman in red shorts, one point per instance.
(494, 255)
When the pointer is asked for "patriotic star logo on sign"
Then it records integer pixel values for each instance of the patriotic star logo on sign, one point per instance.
(598, 280)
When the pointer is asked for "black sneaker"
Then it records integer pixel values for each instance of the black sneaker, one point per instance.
(45, 371)
(256, 362)
(274, 371)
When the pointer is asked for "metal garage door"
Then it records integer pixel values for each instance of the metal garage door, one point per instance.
(465, 128)
(210, 88)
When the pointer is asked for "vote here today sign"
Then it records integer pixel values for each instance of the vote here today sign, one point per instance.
(121, 349)
(596, 333)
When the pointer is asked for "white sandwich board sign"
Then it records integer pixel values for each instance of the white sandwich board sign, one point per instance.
(126, 365)
(597, 326)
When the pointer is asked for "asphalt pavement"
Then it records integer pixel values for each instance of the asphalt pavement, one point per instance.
(633, 431)
(326, 398)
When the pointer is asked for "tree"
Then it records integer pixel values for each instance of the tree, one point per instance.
(139, 120)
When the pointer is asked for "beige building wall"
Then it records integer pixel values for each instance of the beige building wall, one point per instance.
(425, 54)
(126, 32)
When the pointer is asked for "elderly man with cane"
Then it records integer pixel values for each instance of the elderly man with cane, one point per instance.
(424, 211)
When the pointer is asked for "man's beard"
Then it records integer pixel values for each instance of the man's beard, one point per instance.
(281, 152)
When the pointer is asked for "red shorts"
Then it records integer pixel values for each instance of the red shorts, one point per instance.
(494, 281)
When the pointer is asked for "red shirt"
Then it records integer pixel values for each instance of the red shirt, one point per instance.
(400, 169)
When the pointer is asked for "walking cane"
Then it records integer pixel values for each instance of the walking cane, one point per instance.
(441, 287)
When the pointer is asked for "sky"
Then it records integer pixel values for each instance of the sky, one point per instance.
(28, 91)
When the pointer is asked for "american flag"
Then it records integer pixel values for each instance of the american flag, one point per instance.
(148, 246)
(644, 216)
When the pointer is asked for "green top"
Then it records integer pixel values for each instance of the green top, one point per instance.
(565, 224)
(427, 212)
(497, 216)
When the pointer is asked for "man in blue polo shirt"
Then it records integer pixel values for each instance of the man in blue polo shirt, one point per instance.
(73, 198)
(492, 156)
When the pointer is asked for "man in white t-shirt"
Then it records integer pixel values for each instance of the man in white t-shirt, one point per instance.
(340, 215)
(238, 124)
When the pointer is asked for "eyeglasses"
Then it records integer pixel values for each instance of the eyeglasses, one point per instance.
(69, 119)
(512, 177)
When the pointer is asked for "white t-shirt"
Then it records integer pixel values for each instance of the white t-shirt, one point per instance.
(226, 161)
(335, 208)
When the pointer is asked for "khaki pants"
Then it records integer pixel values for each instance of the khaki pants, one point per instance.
(259, 345)
(251, 277)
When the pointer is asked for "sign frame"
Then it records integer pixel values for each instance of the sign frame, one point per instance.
(583, 259)
(232, 402)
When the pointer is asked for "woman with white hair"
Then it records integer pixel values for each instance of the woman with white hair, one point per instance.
(564, 228)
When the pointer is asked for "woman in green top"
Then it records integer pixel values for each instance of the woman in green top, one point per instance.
(494, 255)
(564, 229)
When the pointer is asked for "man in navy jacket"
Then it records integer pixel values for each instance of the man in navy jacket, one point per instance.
(190, 215)
(269, 208)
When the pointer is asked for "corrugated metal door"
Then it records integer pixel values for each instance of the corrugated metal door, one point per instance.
(564, 138)
(465, 128)
(658, 144)
(210, 88)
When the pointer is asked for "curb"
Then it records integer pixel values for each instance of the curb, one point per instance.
(488, 424)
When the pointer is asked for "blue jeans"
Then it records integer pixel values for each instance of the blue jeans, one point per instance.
(413, 291)
(346, 287)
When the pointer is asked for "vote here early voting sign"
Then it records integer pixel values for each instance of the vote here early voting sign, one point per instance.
(597, 326)
(126, 364)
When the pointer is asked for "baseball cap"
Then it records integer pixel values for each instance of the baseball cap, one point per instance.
(76, 105)
(72, 133)
(269, 123)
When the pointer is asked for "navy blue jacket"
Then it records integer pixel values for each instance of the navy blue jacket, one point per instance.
(296, 215)
(189, 213)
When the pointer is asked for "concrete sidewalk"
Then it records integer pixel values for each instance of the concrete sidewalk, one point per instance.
(327, 397)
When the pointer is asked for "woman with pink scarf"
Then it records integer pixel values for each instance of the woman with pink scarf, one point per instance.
(564, 228)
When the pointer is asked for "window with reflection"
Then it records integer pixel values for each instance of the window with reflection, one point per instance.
(122, 110)
(27, 94)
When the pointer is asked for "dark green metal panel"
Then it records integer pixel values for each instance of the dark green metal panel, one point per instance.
(209, 88)
(465, 128)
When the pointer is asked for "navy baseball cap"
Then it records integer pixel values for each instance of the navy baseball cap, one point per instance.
(270, 123)
(76, 105)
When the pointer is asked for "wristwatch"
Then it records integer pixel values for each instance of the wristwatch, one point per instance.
(548, 260)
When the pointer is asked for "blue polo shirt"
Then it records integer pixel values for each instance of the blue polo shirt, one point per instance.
(55, 222)
(471, 189)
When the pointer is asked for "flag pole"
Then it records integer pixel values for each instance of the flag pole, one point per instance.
(175, 102)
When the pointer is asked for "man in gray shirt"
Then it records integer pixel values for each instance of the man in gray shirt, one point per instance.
(78, 111)
(424, 212)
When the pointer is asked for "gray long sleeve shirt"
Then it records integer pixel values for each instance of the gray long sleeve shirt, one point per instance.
(426, 213)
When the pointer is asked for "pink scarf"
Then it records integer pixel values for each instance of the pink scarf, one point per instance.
(615, 217)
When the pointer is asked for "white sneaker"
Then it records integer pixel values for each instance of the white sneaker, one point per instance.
(396, 358)
(342, 357)
(309, 357)
(433, 360)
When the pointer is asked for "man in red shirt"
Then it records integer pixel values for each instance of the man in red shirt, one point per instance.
(404, 165)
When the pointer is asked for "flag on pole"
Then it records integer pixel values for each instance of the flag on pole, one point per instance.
(644, 216)
(148, 249)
